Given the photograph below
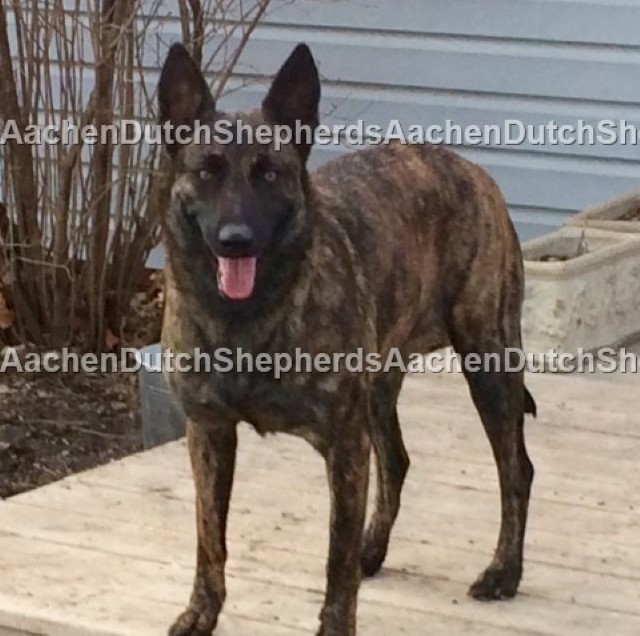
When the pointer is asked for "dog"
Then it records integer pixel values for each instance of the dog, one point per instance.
(396, 246)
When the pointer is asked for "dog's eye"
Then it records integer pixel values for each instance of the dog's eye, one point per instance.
(270, 176)
(205, 175)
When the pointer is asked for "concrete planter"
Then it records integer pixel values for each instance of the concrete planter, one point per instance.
(618, 215)
(582, 301)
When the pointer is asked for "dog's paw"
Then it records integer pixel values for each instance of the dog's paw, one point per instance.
(495, 584)
(334, 631)
(374, 551)
(373, 556)
(195, 622)
(336, 622)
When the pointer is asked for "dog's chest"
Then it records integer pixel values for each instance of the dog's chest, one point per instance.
(299, 404)
(272, 404)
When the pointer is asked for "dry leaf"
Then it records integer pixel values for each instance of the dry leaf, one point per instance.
(111, 341)
(6, 315)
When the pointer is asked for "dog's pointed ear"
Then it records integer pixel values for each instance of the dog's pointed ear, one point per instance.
(294, 96)
(183, 94)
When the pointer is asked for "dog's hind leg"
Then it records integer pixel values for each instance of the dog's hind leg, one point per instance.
(392, 464)
(499, 397)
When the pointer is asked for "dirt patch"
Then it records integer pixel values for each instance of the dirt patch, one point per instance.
(53, 425)
(582, 247)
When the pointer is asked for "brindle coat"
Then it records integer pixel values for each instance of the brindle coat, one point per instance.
(405, 246)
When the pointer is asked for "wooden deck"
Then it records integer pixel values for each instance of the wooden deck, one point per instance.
(110, 551)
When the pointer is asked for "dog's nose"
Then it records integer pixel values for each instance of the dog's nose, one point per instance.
(235, 236)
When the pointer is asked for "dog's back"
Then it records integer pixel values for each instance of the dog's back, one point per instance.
(427, 225)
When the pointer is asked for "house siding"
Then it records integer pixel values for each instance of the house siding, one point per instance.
(480, 62)
(473, 62)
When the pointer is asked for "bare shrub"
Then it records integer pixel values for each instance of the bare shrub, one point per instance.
(78, 221)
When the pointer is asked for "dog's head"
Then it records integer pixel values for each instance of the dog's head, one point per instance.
(238, 209)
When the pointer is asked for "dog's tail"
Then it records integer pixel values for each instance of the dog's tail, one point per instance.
(530, 403)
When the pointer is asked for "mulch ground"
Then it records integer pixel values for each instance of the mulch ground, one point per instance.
(53, 425)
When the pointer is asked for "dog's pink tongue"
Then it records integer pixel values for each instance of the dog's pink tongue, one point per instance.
(237, 276)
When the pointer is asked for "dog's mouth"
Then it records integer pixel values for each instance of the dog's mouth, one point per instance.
(237, 276)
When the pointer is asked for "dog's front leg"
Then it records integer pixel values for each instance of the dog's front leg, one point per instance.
(212, 448)
(348, 474)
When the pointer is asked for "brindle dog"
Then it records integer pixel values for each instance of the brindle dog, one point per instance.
(405, 246)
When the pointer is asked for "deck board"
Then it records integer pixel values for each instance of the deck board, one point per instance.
(110, 551)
